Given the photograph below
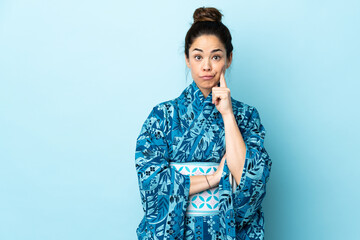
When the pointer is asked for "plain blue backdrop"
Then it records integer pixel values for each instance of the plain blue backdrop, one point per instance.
(78, 79)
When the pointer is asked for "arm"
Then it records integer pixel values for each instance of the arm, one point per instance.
(251, 190)
(164, 191)
(235, 147)
(198, 183)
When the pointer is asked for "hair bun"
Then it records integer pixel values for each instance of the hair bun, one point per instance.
(207, 14)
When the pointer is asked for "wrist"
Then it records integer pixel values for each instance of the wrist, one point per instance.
(213, 179)
(228, 115)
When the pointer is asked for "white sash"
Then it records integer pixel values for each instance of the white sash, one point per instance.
(206, 202)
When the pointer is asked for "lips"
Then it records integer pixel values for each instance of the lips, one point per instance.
(207, 77)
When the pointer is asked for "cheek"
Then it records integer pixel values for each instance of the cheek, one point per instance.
(220, 66)
(195, 67)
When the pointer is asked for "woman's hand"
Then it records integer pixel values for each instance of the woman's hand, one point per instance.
(221, 97)
(216, 176)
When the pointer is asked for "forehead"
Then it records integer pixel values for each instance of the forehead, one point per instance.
(207, 43)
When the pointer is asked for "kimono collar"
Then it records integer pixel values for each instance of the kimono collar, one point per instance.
(198, 95)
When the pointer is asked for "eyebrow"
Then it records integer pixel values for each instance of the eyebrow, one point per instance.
(215, 50)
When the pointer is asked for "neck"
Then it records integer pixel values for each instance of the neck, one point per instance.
(205, 92)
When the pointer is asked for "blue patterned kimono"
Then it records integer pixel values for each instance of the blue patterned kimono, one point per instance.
(190, 129)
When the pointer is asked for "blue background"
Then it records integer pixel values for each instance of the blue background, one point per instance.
(78, 79)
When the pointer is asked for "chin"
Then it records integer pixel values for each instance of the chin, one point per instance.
(205, 84)
(209, 84)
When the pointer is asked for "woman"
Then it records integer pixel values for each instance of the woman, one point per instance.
(190, 188)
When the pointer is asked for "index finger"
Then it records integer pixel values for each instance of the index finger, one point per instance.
(222, 79)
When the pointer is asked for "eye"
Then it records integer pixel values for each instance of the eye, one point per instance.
(197, 57)
(217, 57)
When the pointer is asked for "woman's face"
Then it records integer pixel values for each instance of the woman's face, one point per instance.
(207, 58)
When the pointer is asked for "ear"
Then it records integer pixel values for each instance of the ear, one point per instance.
(229, 60)
(187, 61)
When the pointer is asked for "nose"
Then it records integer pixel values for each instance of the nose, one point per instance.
(206, 65)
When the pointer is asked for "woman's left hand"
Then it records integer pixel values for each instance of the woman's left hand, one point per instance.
(221, 97)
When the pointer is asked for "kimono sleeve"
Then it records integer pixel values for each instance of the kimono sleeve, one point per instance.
(164, 191)
(251, 190)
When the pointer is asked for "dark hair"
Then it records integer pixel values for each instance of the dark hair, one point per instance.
(207, 21)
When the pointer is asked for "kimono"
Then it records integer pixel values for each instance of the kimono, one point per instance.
(189, 128)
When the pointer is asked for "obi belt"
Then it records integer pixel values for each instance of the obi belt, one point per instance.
(206, 202)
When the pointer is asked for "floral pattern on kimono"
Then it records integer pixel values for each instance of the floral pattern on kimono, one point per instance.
(189, 128)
